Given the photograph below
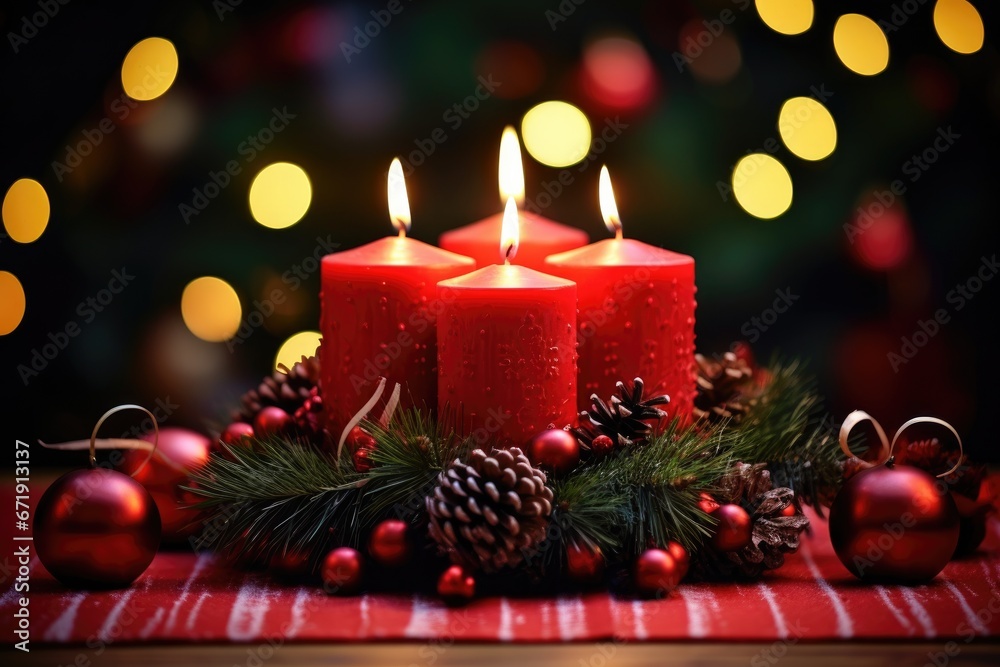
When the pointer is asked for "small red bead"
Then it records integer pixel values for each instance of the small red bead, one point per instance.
(788, 510)
(602, 445)
(707, 503)
(342, 571)
(656, 572)
(680, 556)
(584, 564)
(389, 543)
(271, 420)
(357, 439)
(456, 585)
(363, 459)
(734, 529)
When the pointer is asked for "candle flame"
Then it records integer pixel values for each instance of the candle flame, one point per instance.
(510, 232)
(399, 204)
(609, 209)
(511, 171)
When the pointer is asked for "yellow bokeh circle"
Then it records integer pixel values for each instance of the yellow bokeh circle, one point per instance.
(959, 25)
(149, 69)
(762, 186)
(292, 350)
(556, 133)
(807, 128)
(280, 195)
(211, 309)
(13, 302)
(860, 44)
(25, 210)
(789, 17)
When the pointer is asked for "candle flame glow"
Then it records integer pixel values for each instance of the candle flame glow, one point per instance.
(399, 204)
(510, 231)
(609, 209)
(511, 171)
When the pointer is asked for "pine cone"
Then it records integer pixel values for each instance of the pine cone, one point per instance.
(625, 420)
(491, 511)
(726, 388)
(309, 418)
(931, 456)
(774, 534)
(287, 390)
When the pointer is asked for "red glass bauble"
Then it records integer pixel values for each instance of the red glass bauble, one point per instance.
(389, 544)
(656, 572)
(96, 528)
(584, 563)
(894, 523)
(788, 510)
(358, 439)
(342, 571)
(179, 452)
(680, 556)
(237, 433)
(271, 420)
(734, 529)
(555, 449)
(707, 503)
(363, 459)
(456, 586)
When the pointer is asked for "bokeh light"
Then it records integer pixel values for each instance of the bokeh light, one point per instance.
(556, 134)
(959, 25)
(280, 195)
(762, 186)
(715, 61)
(12, 298)
(882, 238)
(211, 309)
(860, 44)
(789, 17)
(149, 69)
(807, 128)
(292, 350)
(25, 210)
(618, 73)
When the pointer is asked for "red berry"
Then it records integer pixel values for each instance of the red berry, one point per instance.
(271, 420)
(734, 529)
(602, 445)
(363, 459)
(788, 510)
(237, 433)
(656, 572)
(456, 585)
(707, 503)
(342, 571)
(680, 556)
(357, 439)
(389, 543)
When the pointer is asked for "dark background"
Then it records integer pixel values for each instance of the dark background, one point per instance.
(120, 208)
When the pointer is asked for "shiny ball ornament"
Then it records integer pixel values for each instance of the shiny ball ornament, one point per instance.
(342, 572)
(389, 544)
(271, 420)
(456, 586)
(555, 449)
(179, 452)
(680, 556)
(584, 563)
(788, 510)
(894, 523)
(602, 445)
(359, 439)
(237, 433)
(707, 503)
(656, 573)
(96, 528)
(363, 459)
(733, 530)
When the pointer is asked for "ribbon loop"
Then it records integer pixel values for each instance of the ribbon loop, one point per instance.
(939, 422)
(853, 420)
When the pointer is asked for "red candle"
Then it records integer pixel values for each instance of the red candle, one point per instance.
(507, 349)
(378, 315)
(636, 314)
(539, 236)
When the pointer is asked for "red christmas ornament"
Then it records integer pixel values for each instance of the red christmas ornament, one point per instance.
(237, 433)
(680, 556)
(271, 420)
(359, 439)
(707, 503)
(893, 523)
(602, 445)
(96, 528)
(289, 564)
(584, 563)
(734, 529)
(555, 449)
(389, 544)
(342, 571)
(179, 452)
(789, 510)
(656, 573)
(363, 459)
(456, 586)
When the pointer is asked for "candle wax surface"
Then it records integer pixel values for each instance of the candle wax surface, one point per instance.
(507, 353)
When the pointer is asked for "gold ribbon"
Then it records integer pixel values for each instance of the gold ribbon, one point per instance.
(859, 416)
